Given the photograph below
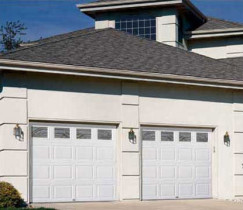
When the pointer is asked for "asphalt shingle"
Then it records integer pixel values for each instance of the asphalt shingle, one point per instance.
(215, 23)
(238, 61)
(112, 49)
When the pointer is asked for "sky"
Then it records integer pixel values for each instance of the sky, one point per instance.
(45, 18)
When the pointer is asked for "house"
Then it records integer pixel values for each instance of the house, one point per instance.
(146, 105)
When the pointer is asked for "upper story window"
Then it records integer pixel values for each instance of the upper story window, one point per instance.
(138, 26)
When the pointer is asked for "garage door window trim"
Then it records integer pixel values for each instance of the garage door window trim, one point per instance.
(167, 136)
(61, 133)
(148, 135)
(104, 134)
(83, 133)
(185, 137)
(40, 132)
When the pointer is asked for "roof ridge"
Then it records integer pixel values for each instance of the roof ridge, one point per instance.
(41, 44)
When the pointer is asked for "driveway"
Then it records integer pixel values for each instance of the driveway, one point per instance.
(206, 204)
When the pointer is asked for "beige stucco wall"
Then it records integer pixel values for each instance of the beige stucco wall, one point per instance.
(125, 104)
(217, 48)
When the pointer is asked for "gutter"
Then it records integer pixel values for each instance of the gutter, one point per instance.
(86, 8)
(214, 33)
(49, 68)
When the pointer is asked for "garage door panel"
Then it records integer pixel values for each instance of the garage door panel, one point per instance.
(105, 153)
(185, 172)
(84, 172)
(176, 164)
(84, 153)
(41, 152)
(168, 172)
(168, 154)
(203, 190)
(150, 172)
(41, 192)
(41, 172)
(84, 192)
(203, 172)
(168, 190)
(185, 154)
(105, 172)
(74, 164)
(62, 172)
(106, 192)
(62, 153)
(150, 191)
(186, 190)
(202, 154)
(150, 154)
(62, 192)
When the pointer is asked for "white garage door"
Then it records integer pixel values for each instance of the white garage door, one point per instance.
(73, 163)
(176, 163)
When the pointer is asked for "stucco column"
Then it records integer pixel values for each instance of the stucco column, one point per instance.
(167, 29)
(13, 152)
(237, 144)
(130, 149)
(101, 24)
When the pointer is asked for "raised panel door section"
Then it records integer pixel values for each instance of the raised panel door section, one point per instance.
(176, 163)
(73, 163)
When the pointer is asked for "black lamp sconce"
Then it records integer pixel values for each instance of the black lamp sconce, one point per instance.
(227, 139)
(131, 136)
(18, 132)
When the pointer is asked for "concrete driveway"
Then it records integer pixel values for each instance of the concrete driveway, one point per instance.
(149, 205)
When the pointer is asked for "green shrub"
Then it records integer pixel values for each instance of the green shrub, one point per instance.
(9, 196)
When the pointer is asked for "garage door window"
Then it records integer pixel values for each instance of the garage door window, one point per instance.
(148, 135)
(184, 136)
(202, 137)
(104, 135)
(83, 133)
(167, 136)
(62, 133)
(39, 132)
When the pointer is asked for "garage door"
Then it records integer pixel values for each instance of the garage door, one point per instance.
(176, 163)
(73, 163)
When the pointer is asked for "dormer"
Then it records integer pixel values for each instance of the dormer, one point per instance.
(161, 20)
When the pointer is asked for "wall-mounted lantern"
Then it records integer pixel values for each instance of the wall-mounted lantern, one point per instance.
(132, 136)
(18, 133)
(227, 139)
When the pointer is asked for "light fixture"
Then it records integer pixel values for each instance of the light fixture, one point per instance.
(18, 133)
(227, 139)
(132, 136)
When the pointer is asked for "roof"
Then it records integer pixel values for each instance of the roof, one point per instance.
(215, 23)
(237, 61)
(98, 6)
(118, 51)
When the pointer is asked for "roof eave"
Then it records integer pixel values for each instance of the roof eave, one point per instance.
(217, 33)
(91, 8)
(26, 66)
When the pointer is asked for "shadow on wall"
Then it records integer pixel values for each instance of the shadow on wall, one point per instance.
(76, 84)
(1, 82)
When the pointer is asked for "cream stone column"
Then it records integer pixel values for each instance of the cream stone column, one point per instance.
(237, 143)
(167, 29)
(13, 152)
(130, 149)
(101, 24)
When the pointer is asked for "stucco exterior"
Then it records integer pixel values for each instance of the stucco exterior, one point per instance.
(71, 99)
(217, 48)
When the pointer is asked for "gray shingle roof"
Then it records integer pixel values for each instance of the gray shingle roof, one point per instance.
(215, 23)
(238, 61)
(112, 49)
